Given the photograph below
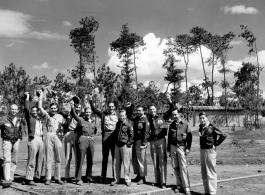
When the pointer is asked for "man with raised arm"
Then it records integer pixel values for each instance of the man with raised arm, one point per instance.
(123, 149)
(53, 144)
(158, 148)
(35, 143)
(208, 142)
(179, 143)
(109, 119)
(141, 134)
(85, 143)
(70, 138)
(11, 133)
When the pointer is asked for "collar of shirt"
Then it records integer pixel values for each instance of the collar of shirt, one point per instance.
(206, 125)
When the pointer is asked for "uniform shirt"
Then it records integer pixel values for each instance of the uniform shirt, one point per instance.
(179, 134)
(85, 125)
(110, 121)
(53, 123)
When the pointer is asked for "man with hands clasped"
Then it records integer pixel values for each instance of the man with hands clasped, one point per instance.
(179, 143)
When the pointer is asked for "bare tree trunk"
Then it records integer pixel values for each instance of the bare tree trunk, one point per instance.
(135, 75)
(212, 80)
(204, 72)
(257, 108)
(187, 93)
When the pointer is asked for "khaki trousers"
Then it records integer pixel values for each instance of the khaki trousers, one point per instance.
(159, 157)
(179, 165)
(35, 158)
(122, 154)
(139, 159)
(10, 152)
(85, 148)
(209, 176)
(53, 149)
(70, 139)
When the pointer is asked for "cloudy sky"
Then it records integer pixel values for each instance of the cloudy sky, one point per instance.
(34, 33)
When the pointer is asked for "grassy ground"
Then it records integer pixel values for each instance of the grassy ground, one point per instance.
(241, 154)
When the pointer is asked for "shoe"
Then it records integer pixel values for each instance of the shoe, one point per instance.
(128, 184)
(187, 193)
(142, 181)
(163, 186)
(48, 182)
(67, 180)
(38, 180)
(137, 178)
(80, 182)
(31, 183)
(59, 182)
(103, 180)
(156, 184)
(7, 183)
(90, 180)
(113, 183)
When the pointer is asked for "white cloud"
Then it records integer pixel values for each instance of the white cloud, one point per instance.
(240, 9)
(236, 42)
(218, 94)
(191, 9)
(10, 44)
(45, 65)
(67, 23)
(55, 70)
(15, 24)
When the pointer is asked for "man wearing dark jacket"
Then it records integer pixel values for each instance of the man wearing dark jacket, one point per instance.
(179, 143)
(158, 151)
(141, 134)
(108, 125)
(123, 149)
(85, 144)
(208, 142)
(35, 143)
(11, 133)
(158, 131)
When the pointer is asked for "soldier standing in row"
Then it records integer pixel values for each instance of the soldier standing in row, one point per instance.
(141, 134)
(179, 144)
(108, 125)
(35, 143)
(208, 143)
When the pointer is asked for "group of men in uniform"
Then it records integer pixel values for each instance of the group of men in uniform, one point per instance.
(124, 134)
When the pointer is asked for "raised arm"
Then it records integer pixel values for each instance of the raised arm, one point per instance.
(93, 108)
(75, 116)
(168, 113)
(26, 107)
(40, 105)
(129, 111)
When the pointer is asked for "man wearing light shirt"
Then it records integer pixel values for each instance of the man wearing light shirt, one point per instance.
(35, 143)
(53, 144)
(108, 125)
